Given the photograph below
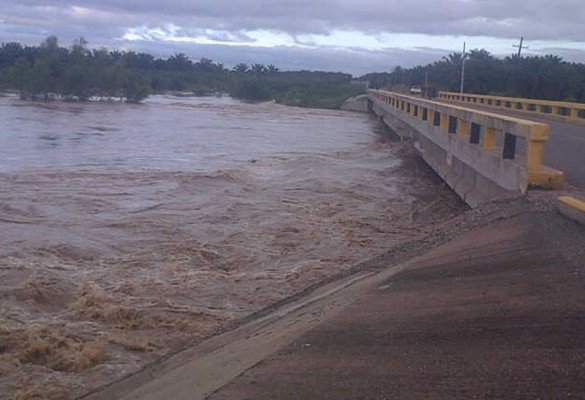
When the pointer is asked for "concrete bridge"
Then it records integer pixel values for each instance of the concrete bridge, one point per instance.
(481, 155)
(565, 149)
(484, 146)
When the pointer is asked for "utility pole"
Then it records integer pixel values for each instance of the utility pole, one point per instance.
(462, 69)
(520, 46)
(426, 86)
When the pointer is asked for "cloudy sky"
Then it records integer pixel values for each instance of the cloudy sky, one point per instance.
(355, 36)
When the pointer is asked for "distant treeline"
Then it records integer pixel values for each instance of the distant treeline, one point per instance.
(78, 73)
(537, 77)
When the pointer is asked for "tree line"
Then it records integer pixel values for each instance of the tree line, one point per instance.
(78, 73)
(538, 77)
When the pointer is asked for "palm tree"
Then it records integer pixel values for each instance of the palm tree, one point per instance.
(241, 68)
(258, 68)
(271, 69)
(454, 59)
(179, 62)
(479, 55)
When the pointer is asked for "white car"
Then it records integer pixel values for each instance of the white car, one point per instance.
(415, 90)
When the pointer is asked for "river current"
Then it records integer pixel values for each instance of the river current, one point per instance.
(130, 231)
(196, 134)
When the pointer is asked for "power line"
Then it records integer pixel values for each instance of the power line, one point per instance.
(520, 46)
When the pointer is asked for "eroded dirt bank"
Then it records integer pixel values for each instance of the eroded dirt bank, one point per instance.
(103, 271)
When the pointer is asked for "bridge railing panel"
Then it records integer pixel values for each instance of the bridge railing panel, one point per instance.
(571, 112)
(514, 139)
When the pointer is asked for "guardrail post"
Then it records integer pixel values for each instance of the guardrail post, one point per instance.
(489, 139)
(539, 134)
(462, 129)
(534, 155)
(444, 122)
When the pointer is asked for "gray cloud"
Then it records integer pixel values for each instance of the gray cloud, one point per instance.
(354, 61)
(102, 22)
(538, 19)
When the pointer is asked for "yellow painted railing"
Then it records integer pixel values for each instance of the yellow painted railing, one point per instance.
(493, 132)
(573, 112)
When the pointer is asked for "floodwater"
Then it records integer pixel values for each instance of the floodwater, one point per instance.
(167, 133)
(130, 231)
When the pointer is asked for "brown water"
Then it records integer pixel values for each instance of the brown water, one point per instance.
(129, 231)
(167, 133)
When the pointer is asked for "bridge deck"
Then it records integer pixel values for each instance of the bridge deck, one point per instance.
(565, 150)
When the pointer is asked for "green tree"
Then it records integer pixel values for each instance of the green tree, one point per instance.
(78, 76)
(257, 68)
(38, 81)
(136, 88)
(271, 69)
(241, 68)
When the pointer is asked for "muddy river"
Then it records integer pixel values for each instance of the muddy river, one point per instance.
(130, 231)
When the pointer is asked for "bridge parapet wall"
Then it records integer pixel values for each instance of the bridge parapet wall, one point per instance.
(560, 110)
(481, 155)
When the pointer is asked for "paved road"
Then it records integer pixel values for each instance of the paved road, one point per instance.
(565, 149)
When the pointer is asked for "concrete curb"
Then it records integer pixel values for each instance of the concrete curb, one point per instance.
(572, 208)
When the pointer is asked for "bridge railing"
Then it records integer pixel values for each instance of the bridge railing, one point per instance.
(573, 112)
(492, 132)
